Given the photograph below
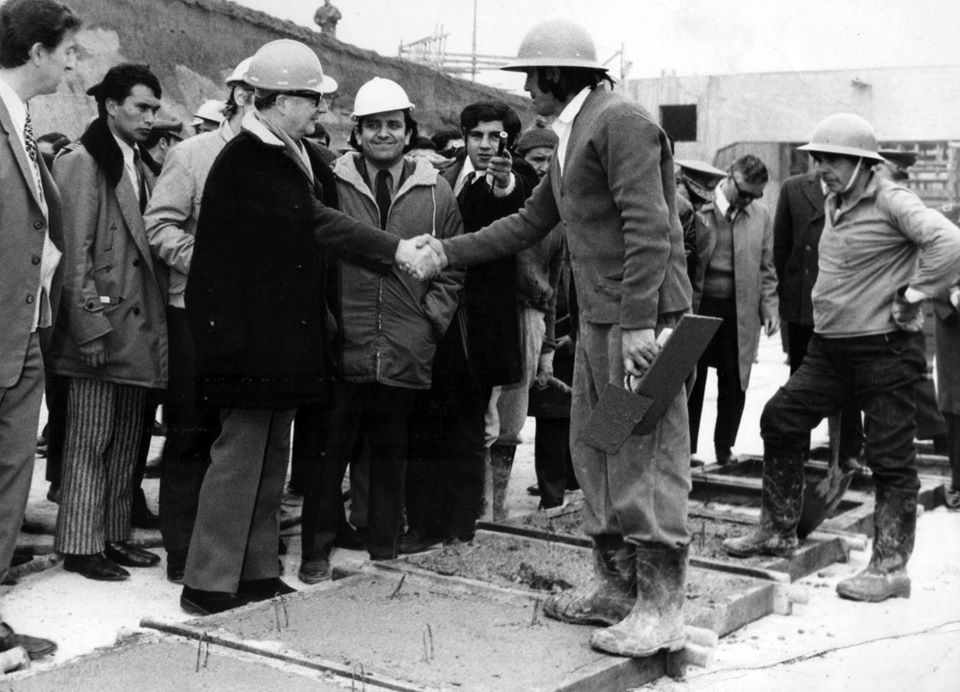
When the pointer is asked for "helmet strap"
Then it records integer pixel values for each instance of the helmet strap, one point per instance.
(853, 177)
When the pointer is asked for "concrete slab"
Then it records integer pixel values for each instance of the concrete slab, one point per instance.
(407, 631)
(709, 527)
(155, 664)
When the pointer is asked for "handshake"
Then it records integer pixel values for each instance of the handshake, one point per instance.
(421, 257)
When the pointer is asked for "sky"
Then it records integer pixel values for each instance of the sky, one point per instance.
(682, 36)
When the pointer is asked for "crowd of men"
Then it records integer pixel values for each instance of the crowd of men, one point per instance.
(410, 311)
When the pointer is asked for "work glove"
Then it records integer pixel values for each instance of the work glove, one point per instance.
(908, 316)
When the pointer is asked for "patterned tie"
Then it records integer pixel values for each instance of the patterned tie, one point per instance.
(382, 194)
(28, 141)
(141, 186)
(731, 214)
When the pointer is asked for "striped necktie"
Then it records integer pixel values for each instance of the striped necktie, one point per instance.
(28, 140)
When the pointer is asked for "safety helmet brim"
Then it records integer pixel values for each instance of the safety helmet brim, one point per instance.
(839, 149)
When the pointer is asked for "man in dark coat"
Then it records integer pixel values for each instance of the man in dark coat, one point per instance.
(258, 311)
(480, 350)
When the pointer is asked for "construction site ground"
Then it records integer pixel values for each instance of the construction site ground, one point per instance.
(826, 644)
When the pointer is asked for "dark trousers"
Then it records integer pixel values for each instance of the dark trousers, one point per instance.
(879, 374)
(381, 414)
(723, 353)
(851, 427)
(191, 431)
(551, 455)
(55, 391)
(445, 477)
(953, 447)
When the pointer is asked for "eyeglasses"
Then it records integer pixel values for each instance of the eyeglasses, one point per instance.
(314, 97)
(745, 195)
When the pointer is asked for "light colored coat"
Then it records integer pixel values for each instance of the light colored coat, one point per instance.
(22, 229)
(754, 275)
(106, 257)
(171, 216)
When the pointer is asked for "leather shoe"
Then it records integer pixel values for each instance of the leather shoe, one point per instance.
(123, 553)
(314, 571)
(416, 541)
(97, 566)
(199, 602)
(36, 647)
(263, 589)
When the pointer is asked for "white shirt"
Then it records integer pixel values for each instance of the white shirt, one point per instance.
(50, 257)
(721, 201)
(468, 169)
(564, 122)
(129, 165)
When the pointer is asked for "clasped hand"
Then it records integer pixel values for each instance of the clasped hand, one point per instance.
(421, 257)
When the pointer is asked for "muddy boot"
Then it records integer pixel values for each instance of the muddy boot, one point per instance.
(780, 503)
(894, 528)
(611, 595)
(656, 620)
(501, 463)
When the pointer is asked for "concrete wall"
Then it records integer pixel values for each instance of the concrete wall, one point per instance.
(193, 44)
(903, 104)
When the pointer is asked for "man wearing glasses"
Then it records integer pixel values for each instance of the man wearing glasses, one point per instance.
(258, 302)
(734, 280)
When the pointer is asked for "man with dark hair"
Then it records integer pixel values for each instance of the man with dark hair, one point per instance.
(735, 281)
(882, 252)
(37, 48)
(110, 341)
(612, 184)
(171, 223)
(482, 348)
(391, 326)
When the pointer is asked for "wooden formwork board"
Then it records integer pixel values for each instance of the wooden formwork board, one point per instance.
(716, 600)
(407, 631)
(708, 528)
(160, 664)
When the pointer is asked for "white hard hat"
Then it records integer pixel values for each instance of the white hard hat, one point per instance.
(288, 65)
(211, 109)
(239, 72)
(380, 95)
(846, 134)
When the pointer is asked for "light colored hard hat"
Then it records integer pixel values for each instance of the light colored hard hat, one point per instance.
(380, 95)
(556, 43)
(845, 134)
(288, 65)
(239, 72)
(211, 109)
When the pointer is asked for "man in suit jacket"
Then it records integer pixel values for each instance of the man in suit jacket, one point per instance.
(612, 184)
(111, 340)
(734, 280)
(797, 225)
(37, 46)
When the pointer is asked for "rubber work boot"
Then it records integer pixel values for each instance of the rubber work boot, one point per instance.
(656, 620)
(894, 529)
(501, 463)
(611, 595)
(781, 500)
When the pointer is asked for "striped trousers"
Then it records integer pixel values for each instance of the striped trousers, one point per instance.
(105, 424)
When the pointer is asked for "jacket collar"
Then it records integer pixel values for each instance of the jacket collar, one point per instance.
(101, 145)
(418, 171)
(7, 127)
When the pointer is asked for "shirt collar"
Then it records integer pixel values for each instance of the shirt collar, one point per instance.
(396, 171)
(572, 109)
(126, 150)
(15, 105)
(721, 201)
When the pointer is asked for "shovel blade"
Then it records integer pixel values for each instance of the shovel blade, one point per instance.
(614, 418)
(821, 499)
